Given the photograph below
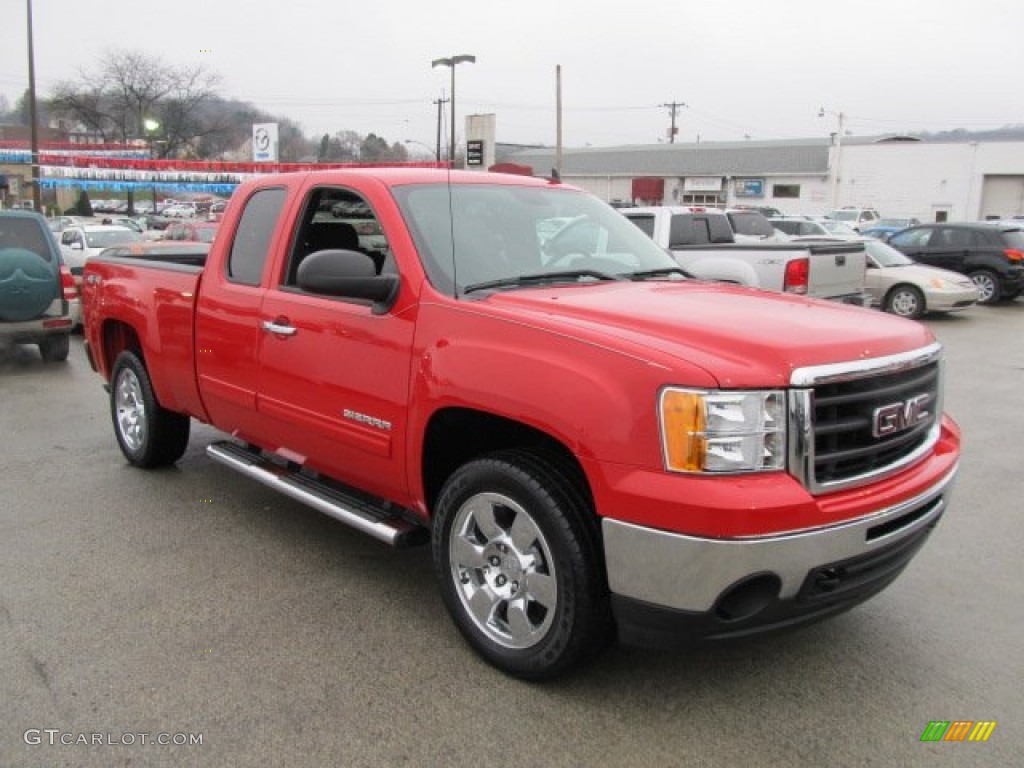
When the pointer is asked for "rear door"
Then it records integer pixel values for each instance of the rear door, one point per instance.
(948, 248)
(228, 329)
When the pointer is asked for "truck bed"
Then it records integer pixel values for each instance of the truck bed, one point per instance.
(836, 270)
(118, 282)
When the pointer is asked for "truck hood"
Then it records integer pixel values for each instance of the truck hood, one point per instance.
(740, 336)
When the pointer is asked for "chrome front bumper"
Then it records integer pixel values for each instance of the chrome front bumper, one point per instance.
(691, 574)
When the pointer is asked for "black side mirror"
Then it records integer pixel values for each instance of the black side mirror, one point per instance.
(348, 275)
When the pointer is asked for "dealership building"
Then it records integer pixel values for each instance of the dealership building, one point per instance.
(932, 180)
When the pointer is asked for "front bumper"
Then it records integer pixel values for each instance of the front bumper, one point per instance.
(950, 301)
(670, 588)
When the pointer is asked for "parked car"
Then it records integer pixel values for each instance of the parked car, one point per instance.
(898, 284)
(857, 218)
(897, 222)
(881, 233)
(36, 288)
(991, 254)
(838, 228)
(798, 226)
(750, 226)
(765, 210)
(79, 242)
(216, 210)
(179, 211)
(191, 231)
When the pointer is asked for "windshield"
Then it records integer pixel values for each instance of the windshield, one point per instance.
(844, 215)
(109, 237)
(885, 255)
(506, 232)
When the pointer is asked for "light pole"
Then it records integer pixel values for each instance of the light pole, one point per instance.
(151, 126)
(435, 155)
(841, 118)
(451, 62)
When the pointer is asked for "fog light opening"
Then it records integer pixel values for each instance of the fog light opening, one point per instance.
(748, 597)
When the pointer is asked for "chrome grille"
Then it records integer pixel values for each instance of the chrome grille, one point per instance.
(854, 423)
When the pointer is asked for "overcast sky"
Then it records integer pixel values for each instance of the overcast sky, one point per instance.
(742, 67)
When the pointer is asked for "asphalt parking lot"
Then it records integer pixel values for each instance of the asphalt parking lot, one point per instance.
(191, 602)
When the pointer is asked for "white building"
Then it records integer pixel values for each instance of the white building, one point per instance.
(899, 176)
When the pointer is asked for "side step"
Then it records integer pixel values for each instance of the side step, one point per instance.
(355, 510)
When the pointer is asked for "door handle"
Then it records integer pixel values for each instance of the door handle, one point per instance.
(276, 327)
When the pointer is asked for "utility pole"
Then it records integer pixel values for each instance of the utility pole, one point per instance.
(673, 108)
(440, 116)
(37, 193)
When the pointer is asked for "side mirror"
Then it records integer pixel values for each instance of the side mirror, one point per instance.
(348, 275)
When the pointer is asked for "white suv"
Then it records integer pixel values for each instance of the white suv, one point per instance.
(858, 218)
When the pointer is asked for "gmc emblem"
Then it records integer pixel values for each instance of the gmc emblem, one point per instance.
(896, 417)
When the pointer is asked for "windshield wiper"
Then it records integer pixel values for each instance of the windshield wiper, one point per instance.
(661, 272)
(540, 277)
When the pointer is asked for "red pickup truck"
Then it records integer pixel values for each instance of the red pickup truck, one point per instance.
(590, 441)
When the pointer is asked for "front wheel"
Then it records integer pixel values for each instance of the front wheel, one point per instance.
(988, 286)
(149, 434)
(517, 555)
(905, 301)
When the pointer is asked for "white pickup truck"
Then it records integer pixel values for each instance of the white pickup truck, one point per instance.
(702, 242)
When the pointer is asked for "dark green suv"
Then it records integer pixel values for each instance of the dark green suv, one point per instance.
(35, 287)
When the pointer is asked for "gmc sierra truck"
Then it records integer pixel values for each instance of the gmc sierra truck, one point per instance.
(591, 442)
(704, 244)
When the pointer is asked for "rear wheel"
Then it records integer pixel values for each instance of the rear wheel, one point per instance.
(517, 555)
(905, 301)
(149, 434)
(55, 347)
(988, 286)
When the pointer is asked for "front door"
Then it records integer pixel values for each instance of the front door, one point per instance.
(334, 376)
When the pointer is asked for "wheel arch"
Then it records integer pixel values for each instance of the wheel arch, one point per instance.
(117, 336)
(456, 435)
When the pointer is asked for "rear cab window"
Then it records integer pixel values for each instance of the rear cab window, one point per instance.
(251, 244)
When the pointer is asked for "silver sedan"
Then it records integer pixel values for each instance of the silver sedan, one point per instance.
(903, 287)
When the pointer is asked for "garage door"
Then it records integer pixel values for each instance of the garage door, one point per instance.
(1002, 197)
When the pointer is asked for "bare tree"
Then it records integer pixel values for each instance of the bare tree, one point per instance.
(129, 88)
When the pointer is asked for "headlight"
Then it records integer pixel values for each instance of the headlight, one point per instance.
(721, 431)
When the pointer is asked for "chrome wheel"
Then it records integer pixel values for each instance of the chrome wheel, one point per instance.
(503, 570)
(130, 409)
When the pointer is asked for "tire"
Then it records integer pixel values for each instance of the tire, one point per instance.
(149, 435)
(988, 286)
(28, 285)
(55, 347)
(905, 301)
(518, 556)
